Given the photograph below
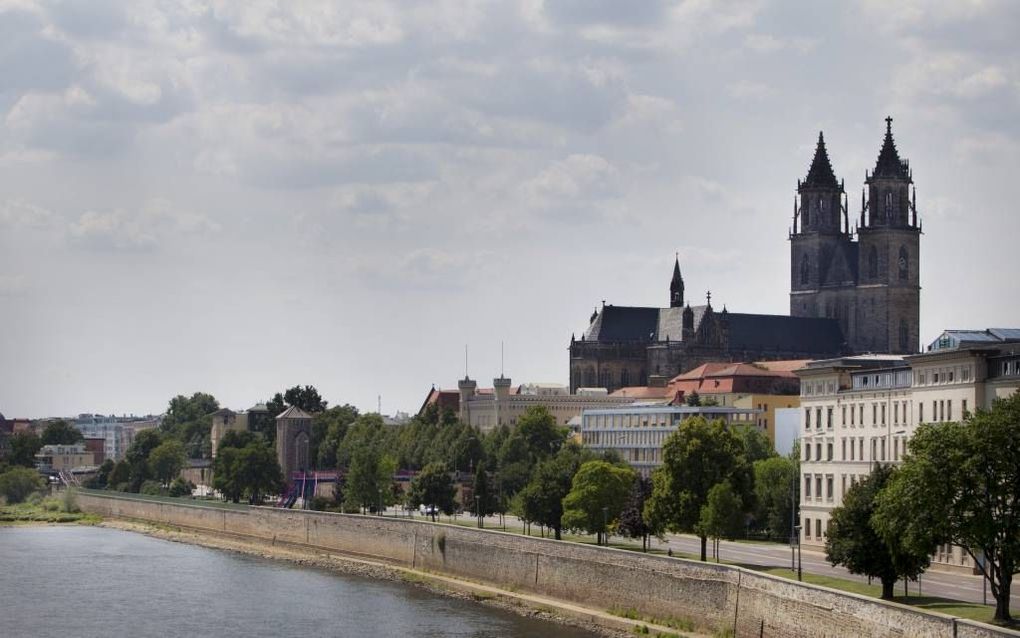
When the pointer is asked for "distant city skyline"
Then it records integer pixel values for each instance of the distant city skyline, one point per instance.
(248, 197)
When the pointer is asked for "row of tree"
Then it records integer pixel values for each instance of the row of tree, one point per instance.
(959, 484)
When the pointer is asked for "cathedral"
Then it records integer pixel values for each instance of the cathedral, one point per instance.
(853, 289)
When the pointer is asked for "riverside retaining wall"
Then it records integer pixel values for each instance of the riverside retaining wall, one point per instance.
(714, 597)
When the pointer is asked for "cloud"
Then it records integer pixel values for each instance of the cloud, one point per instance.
(21, 214)
(13, 286)
(578, 177)
(147, 228)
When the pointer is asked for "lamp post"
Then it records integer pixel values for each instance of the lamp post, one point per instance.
(800, 566)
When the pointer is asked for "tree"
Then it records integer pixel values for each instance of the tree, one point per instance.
(18, 482)
(102, 477)
(960, 484)
(722, 515)
(541, 500)
(776, 493)
(757, 445)
(181, 487)
(60, 432)
(538, 429)
(632, 521)
(369, 478)
(137, 456)
(598, 492)
(328, 430)
(166, 461)
(853, 541)
(694, 399)
(251, 471)
(121, 474)
(433, 487)
(699, 455)
(483, 501)
(307, 398)
(24, 446)
(189, 420)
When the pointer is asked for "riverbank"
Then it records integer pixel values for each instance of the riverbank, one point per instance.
(45, 512)
(599, 622)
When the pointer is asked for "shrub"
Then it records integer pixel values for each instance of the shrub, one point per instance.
(50, 505)
(151, 488)
(69, 502)
(18, 483)
(181, 487)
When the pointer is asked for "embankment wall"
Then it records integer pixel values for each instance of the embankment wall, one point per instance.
(714, 597)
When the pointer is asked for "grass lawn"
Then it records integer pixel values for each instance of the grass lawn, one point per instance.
(47, 511)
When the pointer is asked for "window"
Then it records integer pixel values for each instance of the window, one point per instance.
(860, 448)
(807, 451)
(965, 408)
(903, 260)
(829, 451)
(851, 450)
(807, 418)
(883, 450)
(843, 455)
(883, 414)
(818, 418)
(896, 449)
(920, 412)
(828, 418)
(818, 451)
(807, 528)
(818, 486)
(934, 410)
(818, 528)
(807, 485)
(949, 410)
(861, 414)
(843, 484)
(842, 419)
(851, 415)
(896, 412)
(874, 414)
(828, 487)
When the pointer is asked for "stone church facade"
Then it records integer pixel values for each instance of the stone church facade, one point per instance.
(847, 295)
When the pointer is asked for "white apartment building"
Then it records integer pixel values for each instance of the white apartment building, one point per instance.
(637, 432)
(857, 411)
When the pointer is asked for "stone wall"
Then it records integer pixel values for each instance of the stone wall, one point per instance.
(714, 597)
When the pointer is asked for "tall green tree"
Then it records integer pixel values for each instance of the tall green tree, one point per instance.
(307, 398)
(24, 446)
(598, 493)
(776, 490)
(251, 471)
(369, 479)
(757, 445)
(189, 420)
(433, 487)
(167, 460)
(61, 432)
(722, 515)
(695, 458)
(960, 484)
(853, 541)
(137, 456)
(328, 429)
(541, 500)
(121, 475)
(483, 500)
(632, 522)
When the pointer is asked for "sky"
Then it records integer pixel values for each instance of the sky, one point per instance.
(239, 197)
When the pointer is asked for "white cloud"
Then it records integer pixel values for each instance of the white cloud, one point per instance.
(148, 227)
(578, 177)
(21, 214)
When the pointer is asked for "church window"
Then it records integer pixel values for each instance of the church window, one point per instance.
(903, 262)
(904, 336)
(873, 262)
(804, 272)
(888, 205)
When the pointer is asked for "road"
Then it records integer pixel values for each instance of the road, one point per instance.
(933, 583)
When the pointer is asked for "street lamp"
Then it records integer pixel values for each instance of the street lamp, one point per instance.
(800, 566)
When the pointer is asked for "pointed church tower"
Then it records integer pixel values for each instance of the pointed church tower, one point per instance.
(888, 256)
(676, 286)
(823, 264)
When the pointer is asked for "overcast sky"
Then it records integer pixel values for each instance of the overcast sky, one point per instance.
(237, 197)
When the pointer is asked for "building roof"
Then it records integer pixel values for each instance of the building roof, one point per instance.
(821, 174)
(952, 339)
(645, 392)
(786, 366)
(294, 412)
(889, 163)
(223, 412)
(632, 323)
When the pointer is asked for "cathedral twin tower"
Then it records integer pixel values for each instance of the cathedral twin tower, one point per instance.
(870, 285)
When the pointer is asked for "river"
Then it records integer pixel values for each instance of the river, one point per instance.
(89, 581)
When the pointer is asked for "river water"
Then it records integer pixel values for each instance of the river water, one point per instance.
(90, 581)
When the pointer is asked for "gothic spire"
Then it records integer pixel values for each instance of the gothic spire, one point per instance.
(676, 286)
(821, 174)
(889, 163)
